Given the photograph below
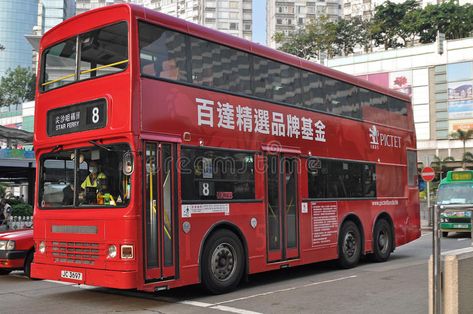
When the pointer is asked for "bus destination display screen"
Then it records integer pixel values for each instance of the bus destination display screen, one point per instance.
(76, 118)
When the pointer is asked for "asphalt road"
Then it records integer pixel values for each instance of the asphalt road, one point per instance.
(397, 286)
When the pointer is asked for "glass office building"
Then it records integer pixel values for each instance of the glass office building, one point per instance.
(17, 19)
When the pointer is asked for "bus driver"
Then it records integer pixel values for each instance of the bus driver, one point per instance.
(91, 183)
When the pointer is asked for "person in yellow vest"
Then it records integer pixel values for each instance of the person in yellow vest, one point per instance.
(92, 181)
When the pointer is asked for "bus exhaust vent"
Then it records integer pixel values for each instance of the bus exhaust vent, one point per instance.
(76, 252)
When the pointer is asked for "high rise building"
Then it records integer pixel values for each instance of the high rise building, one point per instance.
(86, 5)
(232, 17)
(289, 15)
(229, 16)
(17, 18)
(54, 12)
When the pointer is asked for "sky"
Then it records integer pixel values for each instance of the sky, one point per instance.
(259, 21)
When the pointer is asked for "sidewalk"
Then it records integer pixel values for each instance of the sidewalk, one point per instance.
(424, 216)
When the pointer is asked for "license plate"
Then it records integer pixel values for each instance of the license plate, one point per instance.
(71, 275)
(461, 226)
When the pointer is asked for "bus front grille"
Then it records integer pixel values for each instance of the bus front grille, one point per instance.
(76, 252)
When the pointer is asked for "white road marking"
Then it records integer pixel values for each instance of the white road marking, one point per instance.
(218, 307)
(233, 310)
(71, 284)
(286, 289)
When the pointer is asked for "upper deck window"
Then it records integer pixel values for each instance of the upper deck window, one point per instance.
(102, 51)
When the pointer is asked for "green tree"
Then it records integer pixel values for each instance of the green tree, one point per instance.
(317, 37)
(462, 136)
(17, 86)
(350, 33)
(386, 24)
(440, 165)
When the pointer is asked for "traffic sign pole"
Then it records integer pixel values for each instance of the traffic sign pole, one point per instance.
(428, 174)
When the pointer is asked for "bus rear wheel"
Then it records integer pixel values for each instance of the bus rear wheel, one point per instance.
(349, 245)
(222, 262)
(382, 241)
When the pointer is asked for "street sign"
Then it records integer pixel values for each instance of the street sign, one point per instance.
(427, 174)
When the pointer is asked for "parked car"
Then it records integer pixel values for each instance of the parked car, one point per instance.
(16, 251)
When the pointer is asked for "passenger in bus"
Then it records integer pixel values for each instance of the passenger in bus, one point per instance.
(68, 194)
(91, 182)
(169, 70)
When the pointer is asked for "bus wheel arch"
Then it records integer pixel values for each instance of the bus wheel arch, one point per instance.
(227, 239)
(350, 228)
(382, 228)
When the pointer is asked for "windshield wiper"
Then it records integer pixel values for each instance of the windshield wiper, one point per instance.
(56, 148)
(100, 146)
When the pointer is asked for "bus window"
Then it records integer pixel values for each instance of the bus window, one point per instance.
(217, 175)
(102, 51)
(95, 179)
(162, 53)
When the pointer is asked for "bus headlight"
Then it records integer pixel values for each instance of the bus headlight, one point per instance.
(42, 247)
(127, 251)
(112, 251)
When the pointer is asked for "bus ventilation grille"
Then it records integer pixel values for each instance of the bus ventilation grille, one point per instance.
(75, 252)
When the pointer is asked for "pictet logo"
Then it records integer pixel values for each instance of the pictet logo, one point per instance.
(374, 137)
(378, 139)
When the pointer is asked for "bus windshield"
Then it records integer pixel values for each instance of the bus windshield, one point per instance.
(94, 179)
(102, 51)
(455, 193)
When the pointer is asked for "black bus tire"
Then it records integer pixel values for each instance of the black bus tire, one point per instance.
(4, 272)
(444, 234)
(222, 262)
(349, 245)
(382, 241)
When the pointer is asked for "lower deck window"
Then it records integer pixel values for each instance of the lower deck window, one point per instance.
(217, 175)
(340, 179)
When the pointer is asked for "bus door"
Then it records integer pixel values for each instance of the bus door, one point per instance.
(160, 211)
(281, 206)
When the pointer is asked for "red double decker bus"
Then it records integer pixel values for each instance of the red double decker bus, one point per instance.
(170, 154)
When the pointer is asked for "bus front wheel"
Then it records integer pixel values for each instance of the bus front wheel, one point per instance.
(382, 241)
(349, 245)
(222, 262)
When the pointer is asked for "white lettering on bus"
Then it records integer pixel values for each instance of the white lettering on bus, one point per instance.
(258, 121)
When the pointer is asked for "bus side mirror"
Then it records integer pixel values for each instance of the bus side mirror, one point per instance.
(128, 163)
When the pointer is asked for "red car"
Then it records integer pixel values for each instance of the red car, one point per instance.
(16, 251)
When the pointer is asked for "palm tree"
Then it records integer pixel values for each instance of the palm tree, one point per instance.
(463, 136)
(440, 165)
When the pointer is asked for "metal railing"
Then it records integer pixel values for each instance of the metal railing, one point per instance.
(17, 223)
(436, 251)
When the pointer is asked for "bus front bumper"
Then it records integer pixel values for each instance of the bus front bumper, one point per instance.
(85, 276)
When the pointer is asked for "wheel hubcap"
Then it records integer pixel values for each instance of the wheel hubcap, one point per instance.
(349, 247)
(223, 262)
(383, 241)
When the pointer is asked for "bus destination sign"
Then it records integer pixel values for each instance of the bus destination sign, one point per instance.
(77, 118)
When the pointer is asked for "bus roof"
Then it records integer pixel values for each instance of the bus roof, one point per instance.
(235, 42)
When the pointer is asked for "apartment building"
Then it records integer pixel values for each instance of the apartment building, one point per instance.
(287, 16)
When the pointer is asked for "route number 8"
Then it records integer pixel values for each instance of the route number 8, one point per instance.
(95, 115)
(205, 189)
